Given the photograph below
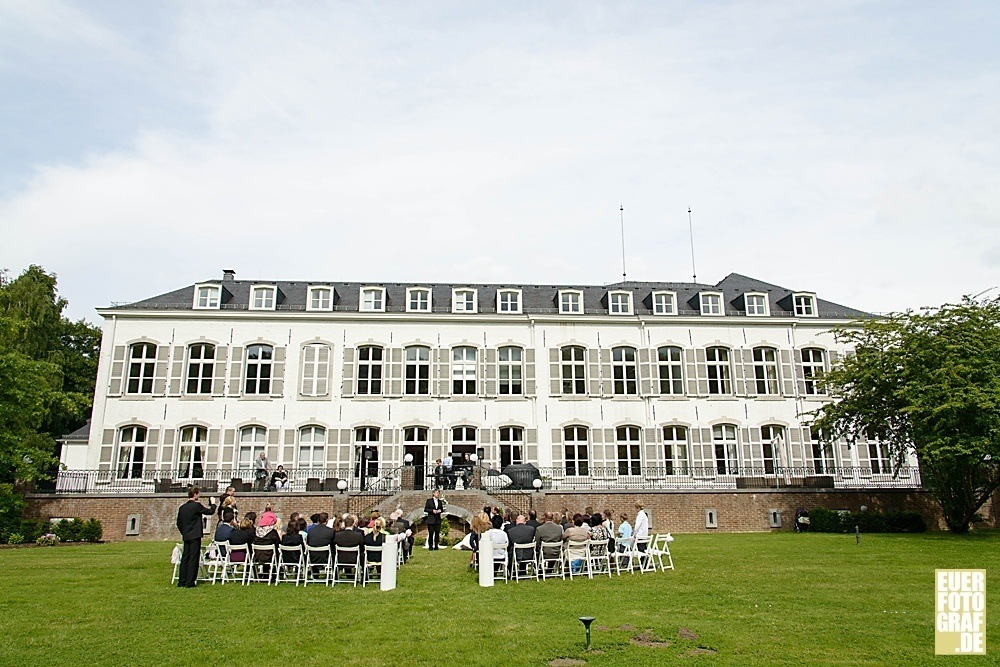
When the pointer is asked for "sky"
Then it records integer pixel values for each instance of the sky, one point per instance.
(846, 148)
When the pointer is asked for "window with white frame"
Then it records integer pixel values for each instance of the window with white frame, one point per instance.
(373, 299)
(315, 369)
(141, 368)
(626, 371)
(629, 448)
(756, 304)
(262, 297)
(620, 303)
(574, 370)
(875, 455)
(510, 370)
(805, 305)
(576, 441)
(821, 457)
(671, 370)
(418, 300)
(320, 298)
(252, 441)
(200, 369)
(366, 441)
(369, 370)
(312, 447)
(570, 302)
(258, 371)
(772, 443)
(191, 452)
(675, 450)
(719, 375)
(813, 366)
(207, 297)
(664, 303)
(765, 371)
(417, 373)
(463, 301)
(131, 451)
(725, 446)
(509, 301)
(415, 434)
(511, 446)
(711, 303)
(463, 370)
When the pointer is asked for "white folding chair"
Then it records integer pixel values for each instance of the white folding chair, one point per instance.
(263, 564)
(212, 559)
(237, 561)
(623, 557)
(290, 559)
(659, 549)
(641, 555)
(318, 565)
(598, 559)
(372, 573)
(500, 567)
(550, 560)
(577, 551)
(346, 566)
(525, 560)
(175, 558)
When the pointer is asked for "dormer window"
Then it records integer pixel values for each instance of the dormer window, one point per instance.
(418, 300)
(207, 297)
(756, 304)
(509, 301)
(373, 299)
(570, 302)
(463, 301)
(805, 305)
(620, 303)
(711, 303)
(664, 303)
(262, 297)
(320, 298)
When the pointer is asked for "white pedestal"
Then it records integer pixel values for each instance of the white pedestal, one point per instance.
(390, 556)
(485, 560)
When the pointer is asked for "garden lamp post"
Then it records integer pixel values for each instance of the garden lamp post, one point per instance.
(342, 486)
(537, 483)
(587, 620)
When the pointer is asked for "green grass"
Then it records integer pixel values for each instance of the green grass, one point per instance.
(758, 599)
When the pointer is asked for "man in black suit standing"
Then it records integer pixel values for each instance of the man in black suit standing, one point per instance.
(433, 509)
(190, 526)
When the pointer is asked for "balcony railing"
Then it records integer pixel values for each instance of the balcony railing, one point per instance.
(388, 480)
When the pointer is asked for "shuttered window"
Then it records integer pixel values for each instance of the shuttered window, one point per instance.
(629, 448)
(813, 367)
(574, 373)
(511, 441)
(200, 368)
(258, 370)
(312, 447)
(141, 368)
(316, 370)
(369, 370)
(511, 371)
(725, 450)
(191, 452)
(765, 371)
(417, 371)
(576, 443)
(719, 373)
(625, 370)
(671, 370)
(463, 371)
(131, 452)
(675, 450)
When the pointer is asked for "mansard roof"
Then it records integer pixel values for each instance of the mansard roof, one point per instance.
(535, 299)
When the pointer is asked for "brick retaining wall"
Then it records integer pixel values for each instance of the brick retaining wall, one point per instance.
(680, 512)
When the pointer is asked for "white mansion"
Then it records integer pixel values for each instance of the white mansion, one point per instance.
(662, 384)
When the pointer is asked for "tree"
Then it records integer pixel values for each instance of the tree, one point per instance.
(927, 382)
(48, 367)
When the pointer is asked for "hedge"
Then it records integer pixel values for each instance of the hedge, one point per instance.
(830, 521)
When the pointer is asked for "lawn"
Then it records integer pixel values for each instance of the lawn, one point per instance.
(756, 599)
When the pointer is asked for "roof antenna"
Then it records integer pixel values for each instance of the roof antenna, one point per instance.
(621, 212)
(694, 272)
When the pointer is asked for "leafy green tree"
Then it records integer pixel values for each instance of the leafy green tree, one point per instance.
(48, 366)
(927, 382)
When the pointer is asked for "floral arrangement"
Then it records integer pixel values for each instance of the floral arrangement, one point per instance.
(48, 540)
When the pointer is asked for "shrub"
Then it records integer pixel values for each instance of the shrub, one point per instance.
(91, 530)
(67, 530)
(32, 529)
(11, 510)
(47, 540)
(828, 521)
(15, 538)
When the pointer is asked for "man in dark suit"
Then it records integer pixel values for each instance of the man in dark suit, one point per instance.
(533, 519)
(549, 532)
(320, 535)
(521, 533)
(433, 509)
(350, 536)
(190, 526)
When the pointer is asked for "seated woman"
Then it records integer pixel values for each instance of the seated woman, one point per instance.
(243, 535)
(500, 542)
(375, 537)
(267, 534)
(279, 479)
(576, 534)
(480, 524)
(293, 538)
(598, 532)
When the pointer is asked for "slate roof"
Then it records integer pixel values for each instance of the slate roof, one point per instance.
(536, 299)
(80, 434)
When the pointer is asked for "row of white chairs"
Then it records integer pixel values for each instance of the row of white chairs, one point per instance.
(254, 563)
(551, 560)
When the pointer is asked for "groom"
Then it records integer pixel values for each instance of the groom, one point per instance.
(432, 509)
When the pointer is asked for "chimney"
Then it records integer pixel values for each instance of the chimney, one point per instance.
(228, 275)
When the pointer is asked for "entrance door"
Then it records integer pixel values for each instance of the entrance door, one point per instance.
(419, 452)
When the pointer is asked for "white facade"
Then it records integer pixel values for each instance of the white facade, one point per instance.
(597, 397)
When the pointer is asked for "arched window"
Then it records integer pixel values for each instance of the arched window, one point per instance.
(576, 441)
(191, 452)
(510, 371)
(626, 372)
(315, 369)
(765, 371)
(813, 366)
(725, 445)
(131, 451)
(773, 446)
(258, 375)
(252, 440)
(671, 371)
(366, 441)
(141, 368)
(821, 455)
(627, 442)
(573, 368)
(312, 447)
(463, 371)
(511, 445)
(200, 368)
(675, 450)
(418, 371)
(719, 375)
(370, 370)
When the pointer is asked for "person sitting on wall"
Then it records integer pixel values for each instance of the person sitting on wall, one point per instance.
(279, 479)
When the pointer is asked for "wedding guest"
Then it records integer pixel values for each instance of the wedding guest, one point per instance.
(242, 535)
(480, 524)
(225, 527)
(375, 537)
(279, 479)
(576, 533)
(624, 533)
